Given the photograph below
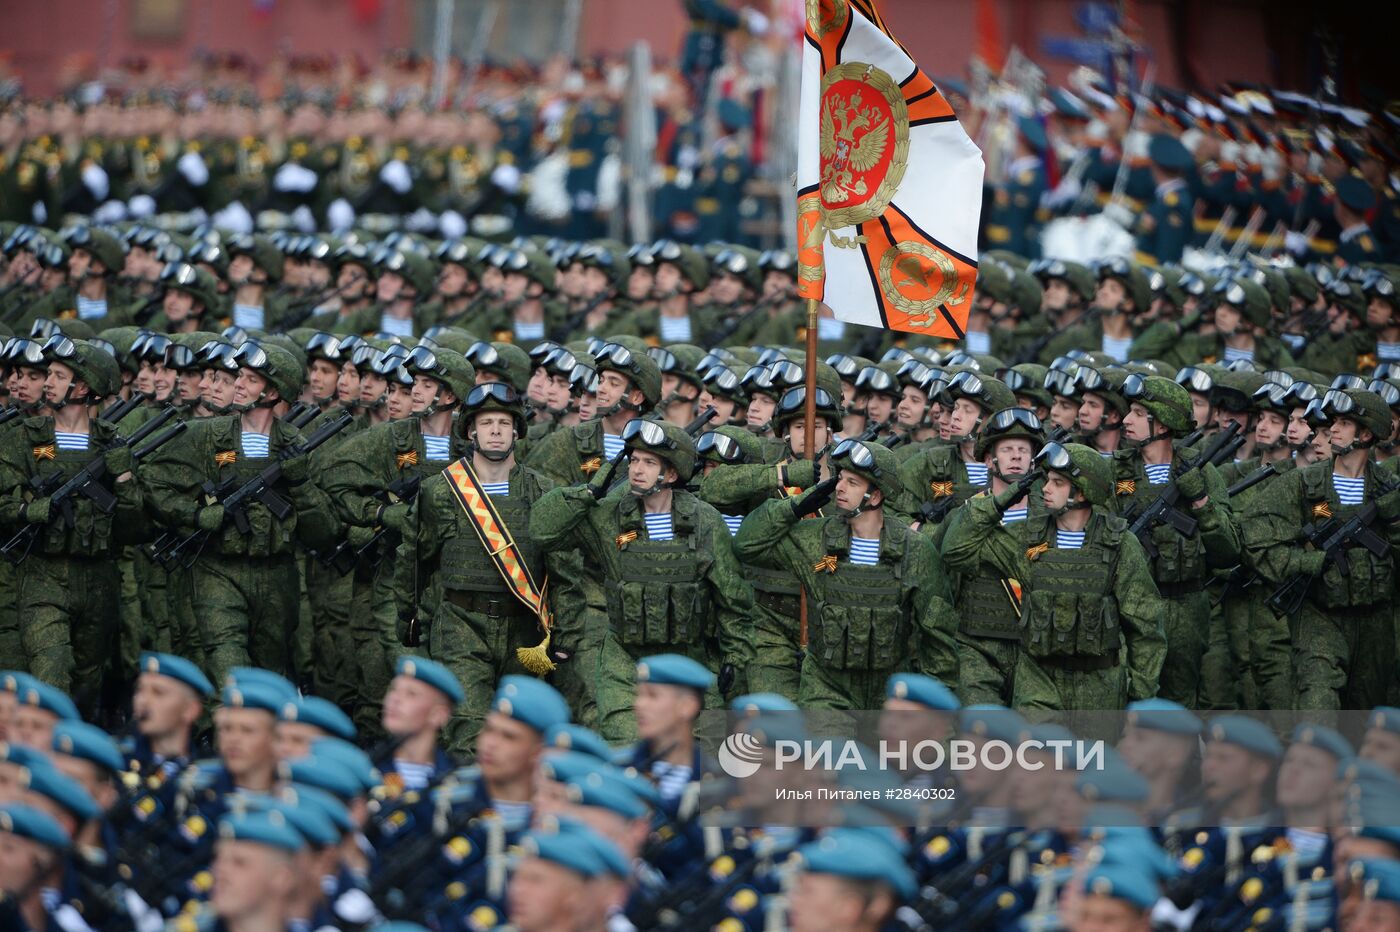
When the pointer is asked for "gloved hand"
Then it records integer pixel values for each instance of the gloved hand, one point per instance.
(811, 501)
(801, 473)
(394, 517)
(1296, 243)
(210, 518)
(726, 679)
(296, 470)
(118, 460)
(1192, 485)
(410, 631)
(1013, 493)
(558, 656)
(36, 512)
(603, 478)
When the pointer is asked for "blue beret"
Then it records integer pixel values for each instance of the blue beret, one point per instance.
(249, 676)
(1355, 193)
(859, 856)
(925, 690)
(614, 861)
(570, 845)
(303, 794)
(1115, 783)
(322, 713)
(22, 756)
(1386, 718)
(349, 758)
(1327, 739)
(269, 828)
(35, 692)
(1359, 770)
(1168, 153)
(1033, 133)
(674, 670)
(994, 722)
(79, 739)
(432, 673)
(571, 737)
(1163, 715)
(322, 773)
(177, 668)
(597, 790)
(253, 696)
(762, 702)
(1135, 848)
(34, 824)
(1241, 730)
(571, 765)
(48, 781)
(310, 823)
(1046, 733)
(1134, 885)
(531, 701)
(1379, 879)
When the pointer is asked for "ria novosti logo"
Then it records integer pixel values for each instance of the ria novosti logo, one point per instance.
(740, 755)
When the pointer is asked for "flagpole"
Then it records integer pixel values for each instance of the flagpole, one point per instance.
(809, 431)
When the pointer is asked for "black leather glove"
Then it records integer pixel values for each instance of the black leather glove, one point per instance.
(558, 656)
(814, 498)
(726, 678)
(410, 631)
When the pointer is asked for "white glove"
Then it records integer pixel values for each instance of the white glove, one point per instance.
(294, 177)
(452, 224)
(754, 21)
(234, 218)
(142, 205)
(191, 166)
(95, 180)
(1296, 243)
(303, 219)
(341, 215)
(114, 211)
(395, 174)
(506, 177)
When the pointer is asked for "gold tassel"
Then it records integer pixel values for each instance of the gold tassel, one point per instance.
(536, 659)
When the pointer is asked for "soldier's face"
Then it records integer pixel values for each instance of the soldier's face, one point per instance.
(1227, 319)
(494, 431)
(145, 381)
(240, 269)
(879, 409)
(611, 387)
(245, 739)
(1380, 313)
(1105, 914)
(507, 749)
(587, 406)
(1064, 412)
(373, 387)
(822, 902)
(351, 281)
(1057, 295)
(912, 405)
(23, 864)
(400, 403)
(852, 489)
(321, 377)
(318, 275)
(1012, 456)
(217, 387)
(248, 386)
(514, 286)
(1342, 432)
(725, 408)
(797, 435)
(1111, 294)
(79, 263)
(966, 416)
(388, 286)
(664, 711)
(412, 707)
(1306, 777)
(538, 388)
(1057, 491)
(163, 706)
(727, 288)
(556, 396)
(1269, 428)
(294, 739)
(1228, 769)
(543, 895)
(1223, 419)
(760, 412)
(1383, 747)
(595, 282)
(178, 305)
(162, 380)
(1137, 423)
(347, 384)
(668, 281)
(57, 382)
(1376, 916)
(492, 280)
(452, 280)
(1151, 751)
(246, 875)
(640, 283)
(645, 470)
(425, 391)
(26, 385)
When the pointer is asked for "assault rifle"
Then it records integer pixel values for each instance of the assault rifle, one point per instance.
(1333, 538)
(88, 483)
(1165, 508)
(259, 488)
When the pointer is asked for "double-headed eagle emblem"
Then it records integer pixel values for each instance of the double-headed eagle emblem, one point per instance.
(854, 137)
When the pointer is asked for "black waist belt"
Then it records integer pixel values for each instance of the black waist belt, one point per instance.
(1083, 664)
(1175, 590)
(492, 604)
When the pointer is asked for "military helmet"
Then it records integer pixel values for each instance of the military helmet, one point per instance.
(729, 445)
(453, 338)
(1028, 380)
(1301, 284)
(741, 262)
(635, 365)
(1131, 276)
(678, 359)
(90, 364)
(1247, 296)
(1366, 408)
(448, 367)
(1274, 283)
(693, 265)
(122, 339)
(1106, 382)
(793, 405)
(261, 250)
(987, 393)
(872, 461)
(778, 260)
(1168, 402)
(610, 257)
(1078, 277)
(508, 361)
(1234, 391)
(532, 263)
(103, 246)
(1009, 422)
(416, 269)
(669, 442)
(1346, 295)
(1026, 292)
(197, 283)
(277, 364)
(994, 281)
(492, 396)
(1084, 466)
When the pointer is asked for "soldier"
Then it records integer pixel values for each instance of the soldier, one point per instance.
(525, 317)
(670, 695)
(566, 878)
(1356, 245)
(68, 585)
(39, 845)
(681, 274)
(1102, 407)
(92, 292)
(417, 707)
(673, 585)
(1344, 627)
(851, 881)
(987, 604)
(470, 523)
(375, 477)
(255, 266)
(253, 875)
(245, 583)
(1158, 411)
(167, 702)
(1167, 224)
(190, 301)
(1159, 741)
(872, 584)
(1075, 561)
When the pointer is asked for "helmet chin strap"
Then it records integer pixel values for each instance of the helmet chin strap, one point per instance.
(495, 456)
(1067, 507)
(622, 404)
(971, 435)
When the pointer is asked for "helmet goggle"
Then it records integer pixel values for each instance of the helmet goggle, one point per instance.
(1348, 380)
(1195, 380)
(795, 399)
(483, 355)
(1054, 456)
(872, 379)
(1062, 383)
(647, 433)
(1005, 420)
(502, 392)
(716, 446)
(59, 346)
(846, 366)
(857, 454)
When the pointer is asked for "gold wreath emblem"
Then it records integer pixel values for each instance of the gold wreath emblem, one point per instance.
(835, 22)
(902, 271)
(856, 131)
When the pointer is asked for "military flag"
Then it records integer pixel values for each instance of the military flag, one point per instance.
(889, 184)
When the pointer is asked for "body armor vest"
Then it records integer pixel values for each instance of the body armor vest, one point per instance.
(1069, 609)
(1179, 559)
(1372, 578)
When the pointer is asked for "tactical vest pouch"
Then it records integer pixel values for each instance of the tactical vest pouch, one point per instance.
(862, 623)
(661, 598)
(985, 609)
(1069, 609)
